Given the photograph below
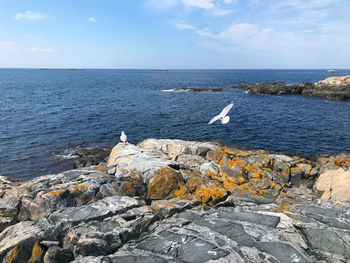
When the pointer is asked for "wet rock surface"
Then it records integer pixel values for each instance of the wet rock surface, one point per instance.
(334, 88)
(90, 156)
(180, 201)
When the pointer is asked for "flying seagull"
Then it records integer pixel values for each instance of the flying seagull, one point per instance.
(123, 137)
(222, 116)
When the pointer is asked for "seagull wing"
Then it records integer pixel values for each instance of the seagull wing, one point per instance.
(225, 110)
(222, 114)
(217, 117)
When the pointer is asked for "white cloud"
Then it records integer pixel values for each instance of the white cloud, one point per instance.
(93, 20)
(43, 50)
(205, 4)
(29, 15)
(221, 12)
(183, 25)
(229, 1)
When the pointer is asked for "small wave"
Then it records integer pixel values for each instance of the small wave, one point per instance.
(195, 90)
(176, 90)
(246, 91)
(67, 154)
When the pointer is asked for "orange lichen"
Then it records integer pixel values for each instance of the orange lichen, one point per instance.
(194, 182)
(342, 161)
(181, 191)
(80, 178)
(211, 193)
(215, 156)
(56, 193)
(128, 188)
(14, 254)
(296, 217)
(283, 207)
(100, 167)
(80, 186)
(97, 175)
(36, 251)
(78, 192)
(136, 177)
(71, 235)
(58, 181)
(164, 182)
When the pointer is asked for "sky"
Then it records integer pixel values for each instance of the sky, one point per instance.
(175, 34)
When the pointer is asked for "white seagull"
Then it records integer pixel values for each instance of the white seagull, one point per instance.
(123, 137)
(222, 116)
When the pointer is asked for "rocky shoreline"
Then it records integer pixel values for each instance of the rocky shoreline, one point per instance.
(181, 201)
(334, 88)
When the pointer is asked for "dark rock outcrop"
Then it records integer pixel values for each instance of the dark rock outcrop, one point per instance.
(88, 157)
(213, 202)
(334, 88)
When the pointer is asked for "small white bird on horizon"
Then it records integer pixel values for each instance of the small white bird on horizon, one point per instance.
(222, 116)
(123, 137)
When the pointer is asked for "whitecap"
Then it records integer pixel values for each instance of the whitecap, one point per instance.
(67, 154)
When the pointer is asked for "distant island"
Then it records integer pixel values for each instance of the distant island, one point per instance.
(61, 69)
(334, 88)
(160, 69)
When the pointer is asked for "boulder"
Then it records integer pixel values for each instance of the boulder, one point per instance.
(163, 183)
(56, 254)
(334, 184)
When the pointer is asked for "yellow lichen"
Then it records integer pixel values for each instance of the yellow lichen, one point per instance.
(283, 207)
(14, 254)
(36, 251)
(181, 191)
(56, 193)
(211, 193)
(80, 186)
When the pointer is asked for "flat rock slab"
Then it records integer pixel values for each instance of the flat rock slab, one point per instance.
(266, 220)
(327, 240)
(233, 231)
(182, 247)
(97, 211)
(283, 252)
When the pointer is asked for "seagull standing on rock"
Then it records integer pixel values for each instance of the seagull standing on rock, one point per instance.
(222, 116)
(123, 137)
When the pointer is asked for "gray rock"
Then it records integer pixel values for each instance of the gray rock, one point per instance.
(233, 231)
(182, 247)
(23, 234)
(283, 252)
(96, 211)
(49, 243)
(56, 254)
(326, 240)
(267, 220)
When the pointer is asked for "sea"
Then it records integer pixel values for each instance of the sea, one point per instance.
(46, 115)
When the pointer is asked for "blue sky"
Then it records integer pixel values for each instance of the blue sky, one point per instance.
(175, 33)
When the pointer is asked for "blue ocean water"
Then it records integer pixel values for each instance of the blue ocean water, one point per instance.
(46, 114)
